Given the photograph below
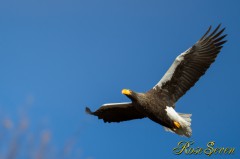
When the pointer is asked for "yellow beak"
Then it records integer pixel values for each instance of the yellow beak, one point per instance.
(126, 92)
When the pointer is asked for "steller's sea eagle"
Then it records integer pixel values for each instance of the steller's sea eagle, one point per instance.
(159, 102)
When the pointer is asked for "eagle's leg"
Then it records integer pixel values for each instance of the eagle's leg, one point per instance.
(177, 124)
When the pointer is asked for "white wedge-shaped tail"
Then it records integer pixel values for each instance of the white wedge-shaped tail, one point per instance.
(183, 119)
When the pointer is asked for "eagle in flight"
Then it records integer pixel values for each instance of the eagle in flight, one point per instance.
(158, 104)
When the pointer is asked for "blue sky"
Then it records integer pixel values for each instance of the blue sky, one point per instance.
(56, 57)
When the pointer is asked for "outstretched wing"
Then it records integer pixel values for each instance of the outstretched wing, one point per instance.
(189, 66)
(116, 112)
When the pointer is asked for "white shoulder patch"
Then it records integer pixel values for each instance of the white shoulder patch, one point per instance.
(123, 103)
(168, 75)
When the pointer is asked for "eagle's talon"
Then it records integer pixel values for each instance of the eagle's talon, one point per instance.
(177, 124)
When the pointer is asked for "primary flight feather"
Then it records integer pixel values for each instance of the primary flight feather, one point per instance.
(159, 102)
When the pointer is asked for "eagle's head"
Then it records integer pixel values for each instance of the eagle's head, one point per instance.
(130, 94)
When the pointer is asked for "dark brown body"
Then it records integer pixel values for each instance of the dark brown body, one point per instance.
(153, 106)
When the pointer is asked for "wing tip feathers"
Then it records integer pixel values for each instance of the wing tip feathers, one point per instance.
(88, 111)
(214, 34)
